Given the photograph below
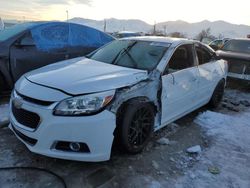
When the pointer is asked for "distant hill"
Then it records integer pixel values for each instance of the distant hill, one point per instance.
(113, 25)
(189, 29)
(217, 28)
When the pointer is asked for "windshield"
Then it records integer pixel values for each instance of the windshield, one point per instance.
(242, 46)
(12, 31)
(142, 55)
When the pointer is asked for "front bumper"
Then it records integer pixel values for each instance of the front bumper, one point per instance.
(95, 131)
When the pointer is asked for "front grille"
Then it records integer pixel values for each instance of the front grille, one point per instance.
(35, 101)
(26, 118)
(25, 138)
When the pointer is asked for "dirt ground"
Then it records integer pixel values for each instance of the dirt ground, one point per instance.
(160, 165)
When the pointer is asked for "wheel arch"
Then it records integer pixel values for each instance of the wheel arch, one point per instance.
(123, 106)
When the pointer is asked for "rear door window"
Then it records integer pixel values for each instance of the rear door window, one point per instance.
(51, 36)
(181, 59)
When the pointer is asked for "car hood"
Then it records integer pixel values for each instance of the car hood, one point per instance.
(233, 55)
(82, 75)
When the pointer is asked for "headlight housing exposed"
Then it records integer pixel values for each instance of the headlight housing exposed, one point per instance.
(84, 104)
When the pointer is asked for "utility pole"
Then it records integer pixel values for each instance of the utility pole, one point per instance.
(154, 29)
(105, 25)
(165, 30)
(67, 12)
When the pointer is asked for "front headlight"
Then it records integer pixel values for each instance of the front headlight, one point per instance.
(84, 105)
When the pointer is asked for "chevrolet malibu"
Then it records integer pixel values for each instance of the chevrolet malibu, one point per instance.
(125, 90)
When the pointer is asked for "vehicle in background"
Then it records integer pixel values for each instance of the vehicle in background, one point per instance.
(218, 43)
(124, 34)
(28, 46)
(206, 40)
(237, 54)
(127, 89)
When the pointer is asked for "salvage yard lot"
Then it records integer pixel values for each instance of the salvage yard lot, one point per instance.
(222, 134)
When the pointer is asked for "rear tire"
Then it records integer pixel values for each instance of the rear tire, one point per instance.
(136, 126)
(217, 94)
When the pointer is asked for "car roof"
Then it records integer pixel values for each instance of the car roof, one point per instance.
(122, 32)
(170, 40)
(244, 39)
(33, 24)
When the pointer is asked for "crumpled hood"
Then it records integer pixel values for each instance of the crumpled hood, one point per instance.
(82, 75)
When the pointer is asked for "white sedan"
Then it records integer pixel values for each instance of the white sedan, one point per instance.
(127, 89)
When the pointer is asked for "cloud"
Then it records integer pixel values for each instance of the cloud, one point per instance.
(63, 2)
(37, 9)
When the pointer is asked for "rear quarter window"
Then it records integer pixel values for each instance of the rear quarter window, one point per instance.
(203, 55)
(242, 46)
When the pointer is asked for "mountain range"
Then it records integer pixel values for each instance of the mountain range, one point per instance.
(218, 28)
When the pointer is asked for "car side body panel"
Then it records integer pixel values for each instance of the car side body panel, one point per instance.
(179, 93)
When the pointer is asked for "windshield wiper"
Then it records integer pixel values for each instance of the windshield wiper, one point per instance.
(132, 59)
(118, 55)
(125, 50)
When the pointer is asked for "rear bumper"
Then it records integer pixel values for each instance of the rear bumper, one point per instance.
(95, 131)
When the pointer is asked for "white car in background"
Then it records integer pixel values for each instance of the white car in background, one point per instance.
(127, 89)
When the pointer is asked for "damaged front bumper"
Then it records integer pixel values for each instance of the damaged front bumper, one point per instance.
(94, 132)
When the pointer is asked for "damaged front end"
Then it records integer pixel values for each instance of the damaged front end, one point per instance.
(148, 91)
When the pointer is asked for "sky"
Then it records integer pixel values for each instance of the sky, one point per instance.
(236, 12)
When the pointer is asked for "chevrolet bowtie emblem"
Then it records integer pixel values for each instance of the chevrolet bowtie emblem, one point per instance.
(17, 103)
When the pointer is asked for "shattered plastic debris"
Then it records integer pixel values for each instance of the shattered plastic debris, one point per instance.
(155, 165)
(214, 170)
(163, 141)
(194, 149)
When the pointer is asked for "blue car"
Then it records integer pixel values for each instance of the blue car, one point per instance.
(29, 46)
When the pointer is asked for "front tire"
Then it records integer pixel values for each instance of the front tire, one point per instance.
(137, 126)
(217, 94)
